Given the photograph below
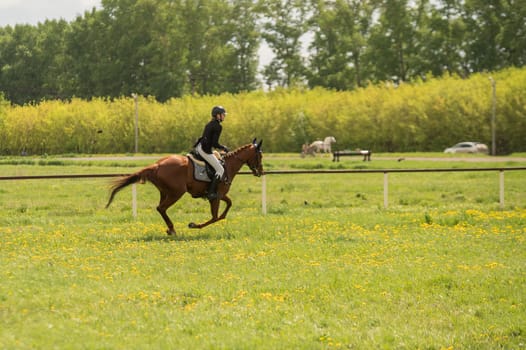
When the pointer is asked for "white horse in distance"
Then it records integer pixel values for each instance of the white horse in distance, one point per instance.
(324, 145)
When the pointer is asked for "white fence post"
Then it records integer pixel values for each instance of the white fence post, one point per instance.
(501, 192)
(264, 195)
(386, 185)
(134, 201)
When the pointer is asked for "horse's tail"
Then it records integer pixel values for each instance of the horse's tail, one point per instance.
(140, 176)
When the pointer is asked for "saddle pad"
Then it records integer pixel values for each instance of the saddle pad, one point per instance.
(195, 160)
(200, 173)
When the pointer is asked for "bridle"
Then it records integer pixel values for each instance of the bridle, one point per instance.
(253, 168)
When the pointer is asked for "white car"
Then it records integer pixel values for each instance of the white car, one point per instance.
(467, 147)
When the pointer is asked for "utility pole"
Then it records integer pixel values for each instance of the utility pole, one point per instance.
(493, 122)
(136, 124)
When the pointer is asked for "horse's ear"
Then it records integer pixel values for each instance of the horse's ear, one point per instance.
(254, 141)
(259, 145)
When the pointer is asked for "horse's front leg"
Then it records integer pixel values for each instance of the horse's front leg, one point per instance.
(214, 209)
(228, 202)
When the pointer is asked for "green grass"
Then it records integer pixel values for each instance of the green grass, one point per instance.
(328, 267)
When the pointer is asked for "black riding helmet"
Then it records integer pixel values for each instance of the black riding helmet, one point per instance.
(218, 110)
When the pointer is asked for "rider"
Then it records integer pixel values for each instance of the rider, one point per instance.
(210, 139)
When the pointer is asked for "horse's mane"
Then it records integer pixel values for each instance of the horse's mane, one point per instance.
(237, 150)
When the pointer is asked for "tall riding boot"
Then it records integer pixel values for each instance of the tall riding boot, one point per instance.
(212, 189)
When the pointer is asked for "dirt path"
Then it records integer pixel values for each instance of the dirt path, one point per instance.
(457, 159)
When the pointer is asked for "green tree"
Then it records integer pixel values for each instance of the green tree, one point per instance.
(169, 48)
(341, 31)
(440, 37)
(244, 40)
(53, 65)
(33, 63)
(20, 77)
(130, 50)
(89, 57)
(207, 32)
(513, 34)
(167, 69)
(496, 34)
(285, 22)
(391, 45)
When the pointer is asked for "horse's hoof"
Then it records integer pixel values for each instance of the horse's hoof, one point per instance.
(192, 225)
(170, 232)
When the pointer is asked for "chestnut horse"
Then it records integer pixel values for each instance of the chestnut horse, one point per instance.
(174, 176)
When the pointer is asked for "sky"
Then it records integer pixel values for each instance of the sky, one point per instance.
(34, 11)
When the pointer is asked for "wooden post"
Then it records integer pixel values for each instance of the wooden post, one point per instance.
(493, 122)
(136, 124)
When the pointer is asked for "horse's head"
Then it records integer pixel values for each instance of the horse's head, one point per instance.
(255, 161)
(249, 154)
(329, 139)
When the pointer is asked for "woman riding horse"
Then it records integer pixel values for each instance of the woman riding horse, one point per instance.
(210, 139)
(174, 176)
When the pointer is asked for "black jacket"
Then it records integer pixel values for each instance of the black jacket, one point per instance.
(211, 135)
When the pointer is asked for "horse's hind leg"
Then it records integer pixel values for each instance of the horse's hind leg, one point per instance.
(166, 202)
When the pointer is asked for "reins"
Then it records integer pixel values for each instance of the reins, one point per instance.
(235, 154)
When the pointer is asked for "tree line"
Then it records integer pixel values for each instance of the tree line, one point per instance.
(419, 116)
(170, 48)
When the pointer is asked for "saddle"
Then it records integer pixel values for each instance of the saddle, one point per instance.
(202, 170)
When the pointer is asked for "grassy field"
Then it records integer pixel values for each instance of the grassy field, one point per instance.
(328, 267)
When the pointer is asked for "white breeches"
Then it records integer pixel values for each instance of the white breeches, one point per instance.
(212, 160)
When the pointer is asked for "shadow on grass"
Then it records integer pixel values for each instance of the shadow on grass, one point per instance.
(176, 238)
(180, 237)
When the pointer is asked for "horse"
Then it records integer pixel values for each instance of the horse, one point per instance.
(307, 149)
(327, 144)
(174, 176)
(324, 145)
(317, 146)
